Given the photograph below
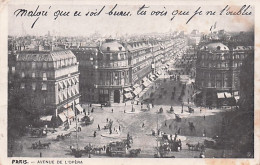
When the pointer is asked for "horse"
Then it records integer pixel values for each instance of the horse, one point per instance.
(99, 149)
(135, 152)
(191, 146)
(47, 145)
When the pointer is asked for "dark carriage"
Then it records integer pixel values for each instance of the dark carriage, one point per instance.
(178, 118)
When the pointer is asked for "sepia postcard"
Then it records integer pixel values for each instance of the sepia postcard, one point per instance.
(138, 82)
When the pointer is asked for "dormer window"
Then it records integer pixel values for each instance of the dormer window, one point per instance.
(218, 47)
(108, 48)
(120, 48)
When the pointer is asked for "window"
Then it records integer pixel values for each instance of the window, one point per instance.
(33, 75)
(44, 65)
(34, 86)
(33, 65)
(22, 75)
(22, 85)
(105, 91)
(44, 76)
(44, 86)
(13, 69)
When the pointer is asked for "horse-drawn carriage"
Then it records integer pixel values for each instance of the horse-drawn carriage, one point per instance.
(62, 136)
(108, 125)
(196, 146)
(191, 110)
(38, 132)
(117, 149)
(88, 119)
(39, 145)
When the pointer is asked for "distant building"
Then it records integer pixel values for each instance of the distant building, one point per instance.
(218, 69)
(49, 80)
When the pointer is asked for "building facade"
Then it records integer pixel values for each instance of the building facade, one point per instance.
(112, 70)
(218, 69)
(49, 80)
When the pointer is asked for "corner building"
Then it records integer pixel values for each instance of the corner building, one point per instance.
(218, 69)
(49, 80)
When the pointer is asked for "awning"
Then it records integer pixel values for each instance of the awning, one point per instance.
(136, 86)
(127, 89)
(76, 90)
(137, 91)
(224, 95)
(65, 94)
(128, 95)
(46, 118)
(60, 97)
(65, 83)
(77, 101)
(69, 82)
(69, 113)
(60, 85)
(145, 79)
(62, 117)
(220, 95)
(146, 83)
(76, 79)
(73, 81)
(79, 108)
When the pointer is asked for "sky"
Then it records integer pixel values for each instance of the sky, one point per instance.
(122, 25)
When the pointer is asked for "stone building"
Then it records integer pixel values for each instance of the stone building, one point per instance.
(49, 80)
(114, 71)
(218, 69)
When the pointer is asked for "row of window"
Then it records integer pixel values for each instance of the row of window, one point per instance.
(42, 86)
(67, 83)
(47, 65)
(222, 56)
(65, 94)
(220, 64)
(217, 84)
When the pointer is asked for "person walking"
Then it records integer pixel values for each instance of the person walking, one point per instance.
(143, 125)
(112, 110)
(95, 133)
(98, 127)
(119, 128)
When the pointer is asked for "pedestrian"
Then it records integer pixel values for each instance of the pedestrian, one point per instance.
(40, 154)
(110, 130)
(124, 110)
(143, 125)
(179, 130)
(92, 110)
(200, 110)
(112, 110)
(95, 133)
(98, 127)
(107, 120)
(104, 148)
(119, 128)
(204, 117)
(101, 106)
